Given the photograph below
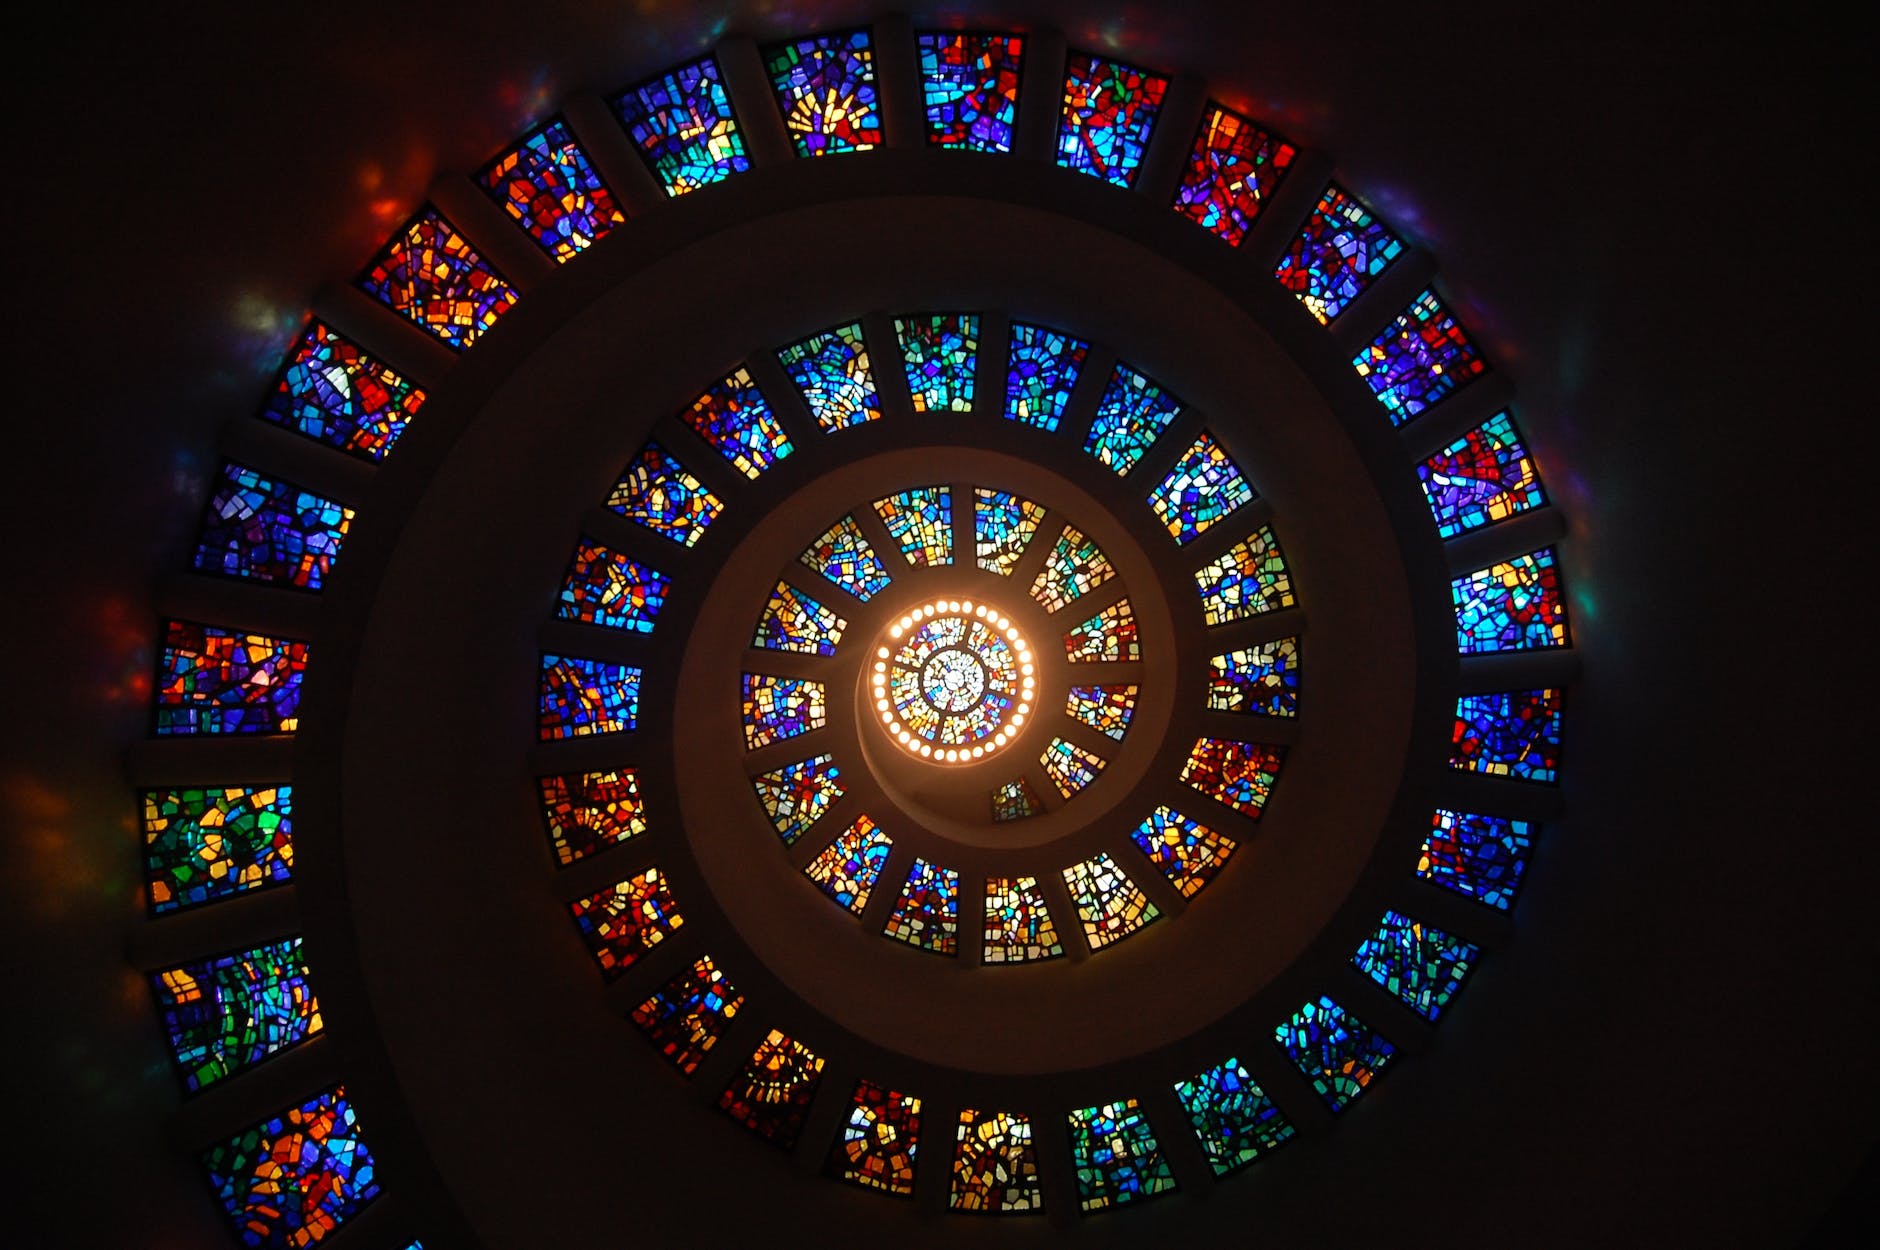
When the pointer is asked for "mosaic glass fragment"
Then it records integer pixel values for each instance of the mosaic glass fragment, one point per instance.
(604, 587)
(1513, 733)
(927, 914)
(1109, 111)
(1040, 372)
(1116, 1156)
(1106, 709)
(921, 522)
(292, 1180)
(227, 1014)
(969, 85)
(627, 919)
(1018, 923)
(1110, 635)
(844, 556)
(776, 708)
(548, 186)
(1204, 486)
(848, 867)
(737, 421)
(1483, 477)
(1239, 774)
(586, 813)
(1188, 852)
(1248, 579)
(831, 370)
(995, 1167)
(1231, 172)
(796, 795)
(794, 621)
(1261, 680)
(1339, 252)
(1003, 525)
(1335, 1050)
(656, 491)
(771, 1096)
(1069, 766)
(1015, 800)
(1075, 567)
(879, 1140)
(686, 1016)
(208, 843)
(1235, 1120)
(1109, 904)
(1131, 415)
(826, 88)
(581, 697)
(1421, 357)
(1477, 856)
(430, 275)
(1421, 965)
(682, 124)
(1512, 606)
(940, 351)
(331, 391)
(221, 681)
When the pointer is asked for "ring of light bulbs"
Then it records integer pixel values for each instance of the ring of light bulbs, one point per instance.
(912, 742)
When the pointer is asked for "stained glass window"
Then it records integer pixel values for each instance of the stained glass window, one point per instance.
(1075, 567)
(734, 418)
(1003, 525)
(257, 528)
(796, 795)
(1204, 486)
(220, 681)
(970, 85)
(1231, 173)
(1188, 852)
(688, 1015)
(1131, 415)
(843, 555)
(1239, 774)
(1337, 1052)
(1018, 924)
(684, 128)
(927, 914)
(1262, 680)
(1109, 110)
(603, 587)
(1483, 477)
(1015, 800)
(1109, 635)
(430, 275)
(291, 1180)
(581, 697)
(1069, 766)
(1250, 578)
(1116, 1156)
(776, 708)
(1420, 965)
(588, 812)
(657, 492)
(627, 919)
(826, 88)
(995, 1168)
(940, 351)
(1421, 357)
(1512, 606)
(1514, 733)
(1235, 1120)
(831, 369)
(330, 390)
(548, 185)
(1339, 252)
(794, 621)
(848, 867)
(921, 521)
(202, 844)
(1477, 856)
(771, 1096)
(1109, 904)
(879, 1139)
(1106, 709)
(227, 1014)
(1040, 373)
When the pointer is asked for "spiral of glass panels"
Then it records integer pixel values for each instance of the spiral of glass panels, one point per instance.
(953, 681)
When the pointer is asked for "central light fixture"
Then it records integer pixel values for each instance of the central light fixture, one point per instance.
(953, 681)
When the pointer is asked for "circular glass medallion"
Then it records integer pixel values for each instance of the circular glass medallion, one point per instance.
(953, 681)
